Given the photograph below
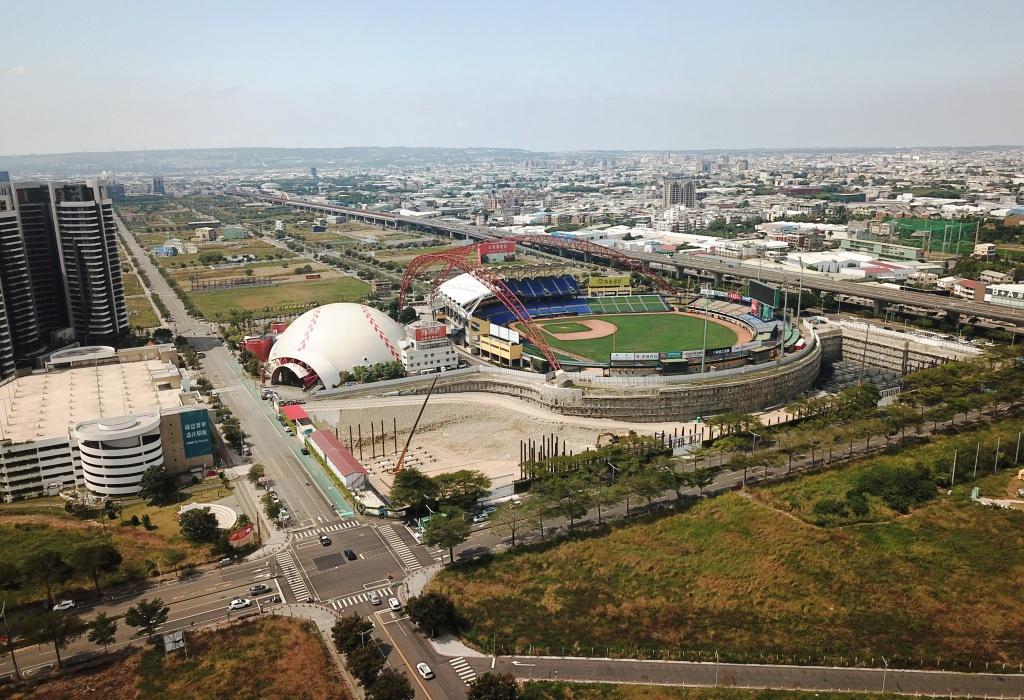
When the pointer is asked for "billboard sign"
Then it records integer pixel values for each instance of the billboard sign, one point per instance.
(504, 333)
(612, 281)
(735, 296)
(500, 248)
(634, 356)
(242, 536)
(434, 332)
(196, 433)
(764, 293)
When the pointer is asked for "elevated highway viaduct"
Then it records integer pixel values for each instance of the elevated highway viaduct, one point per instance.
(679, 265)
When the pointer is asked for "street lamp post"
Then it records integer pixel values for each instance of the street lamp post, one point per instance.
(704, 342)
(885, 672)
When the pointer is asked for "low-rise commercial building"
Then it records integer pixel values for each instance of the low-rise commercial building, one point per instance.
(329, 451)
(98, 418)
(426, 348)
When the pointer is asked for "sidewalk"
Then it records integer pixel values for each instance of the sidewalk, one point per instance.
(274, 540)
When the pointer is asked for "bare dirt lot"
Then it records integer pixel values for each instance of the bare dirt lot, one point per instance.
(462, 431)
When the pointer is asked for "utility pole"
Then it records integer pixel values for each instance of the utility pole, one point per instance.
(952, 476)
(10, 641)
(704, 343)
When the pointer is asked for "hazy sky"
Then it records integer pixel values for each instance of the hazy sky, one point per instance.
(541, 75)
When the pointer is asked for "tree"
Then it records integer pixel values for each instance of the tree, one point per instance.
(447, 529)
(56, 628)
(413, 488)
(48, 568)
(256, 472)
(270, 506)
(391, 685)
(94, 559)
(434, 613)
(349, 632)
(408, 315)
(494, 686)
(701, 478)
(10, 576)
(147, 616)
(462, 488)
(198, 525)
(365, 663)
(102, 631)
(511, 517)
(157, 486)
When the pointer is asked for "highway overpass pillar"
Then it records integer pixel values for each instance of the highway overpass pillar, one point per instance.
(953, 316)
(879, 307)
(719, 278)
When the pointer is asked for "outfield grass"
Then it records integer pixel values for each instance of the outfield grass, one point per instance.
(31, 526)
(220, 303)
(932, 589)
(662, 332)
(270, 657)
(559, 690)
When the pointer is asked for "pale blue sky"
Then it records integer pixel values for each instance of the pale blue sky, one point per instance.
(539, 75)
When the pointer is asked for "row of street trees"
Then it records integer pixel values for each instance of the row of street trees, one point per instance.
(62, 628)
(50, 568)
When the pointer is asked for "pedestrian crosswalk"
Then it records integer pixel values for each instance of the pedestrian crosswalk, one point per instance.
(343, 525)
(355, 599)
(405, 554)
(463, 670)
(292, 575)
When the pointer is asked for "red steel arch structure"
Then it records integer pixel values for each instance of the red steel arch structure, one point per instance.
(458, 258)
(465, 258)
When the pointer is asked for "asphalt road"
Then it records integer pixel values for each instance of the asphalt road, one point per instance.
(198, 601)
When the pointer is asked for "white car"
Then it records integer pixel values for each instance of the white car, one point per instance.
(394, 604)
(239, 603)
(375, 598)
(64, 605)
(424, 670)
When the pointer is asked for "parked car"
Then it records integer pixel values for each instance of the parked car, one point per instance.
(259, 588)
(239, 604)
(394, 604)
(305, 451)
(350, 555)
(64, 605)
(424, 670)
(325, 540)
(375, 598)
(480, 518)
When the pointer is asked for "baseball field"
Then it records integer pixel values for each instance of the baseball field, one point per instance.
(596, 337)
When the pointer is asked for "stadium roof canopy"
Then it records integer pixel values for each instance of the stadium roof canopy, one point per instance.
(464, 289)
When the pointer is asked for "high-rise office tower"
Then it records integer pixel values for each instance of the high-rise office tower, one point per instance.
(676, 191)
(87, 241)
(35, 211)
(158, 185)
(15, 279)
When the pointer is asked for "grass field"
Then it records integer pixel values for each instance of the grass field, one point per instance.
(140, 312)
(268, 658)
(663, 332)
(559, 690)
(932, 589)
(37, 524)
(218, 304)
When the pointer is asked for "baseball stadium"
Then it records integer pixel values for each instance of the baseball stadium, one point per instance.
(623, 323)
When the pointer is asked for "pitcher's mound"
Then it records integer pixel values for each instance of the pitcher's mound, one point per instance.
(598, 329)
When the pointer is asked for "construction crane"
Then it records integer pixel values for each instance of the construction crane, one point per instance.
(401, 457)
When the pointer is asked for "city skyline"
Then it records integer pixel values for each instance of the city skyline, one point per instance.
(574, 77)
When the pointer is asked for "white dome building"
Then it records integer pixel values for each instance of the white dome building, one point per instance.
(322, 342)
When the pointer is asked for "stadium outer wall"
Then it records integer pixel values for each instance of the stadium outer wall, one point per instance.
(757, 388)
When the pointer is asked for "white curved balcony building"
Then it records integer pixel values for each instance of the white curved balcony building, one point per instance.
(116, 452)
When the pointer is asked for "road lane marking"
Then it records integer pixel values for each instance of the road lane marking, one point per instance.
(342, 602)
(463, 670)
(405, 554)
(415, 675)
(292, 575)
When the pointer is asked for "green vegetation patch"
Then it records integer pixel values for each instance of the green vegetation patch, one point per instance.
(141, 313)
(220, 303)
(732, 575)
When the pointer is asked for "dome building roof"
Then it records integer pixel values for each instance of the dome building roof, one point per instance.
(324, 341)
